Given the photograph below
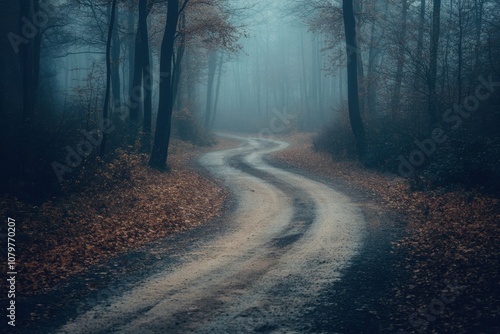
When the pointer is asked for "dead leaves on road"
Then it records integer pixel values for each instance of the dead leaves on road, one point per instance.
(452, 238)
(69, 235)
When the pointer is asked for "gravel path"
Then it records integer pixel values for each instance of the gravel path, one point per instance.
(288, 239)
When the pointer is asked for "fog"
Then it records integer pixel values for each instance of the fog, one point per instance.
(277, 67)
(162, 70)
(282, 69)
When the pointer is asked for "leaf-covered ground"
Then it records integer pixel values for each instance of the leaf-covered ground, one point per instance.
(450, 252)
(123, 207)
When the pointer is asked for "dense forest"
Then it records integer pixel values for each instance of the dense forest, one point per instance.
(104, 102)
(83, 79)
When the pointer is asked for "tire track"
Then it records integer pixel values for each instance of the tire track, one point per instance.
(303, 205)
(288, 238)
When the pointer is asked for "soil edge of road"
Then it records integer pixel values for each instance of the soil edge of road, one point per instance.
(360, 301)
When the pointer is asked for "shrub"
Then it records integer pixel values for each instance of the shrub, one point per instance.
(471, 163)
(387, 138)
(187, 128)
(464, 159)
(337, 139)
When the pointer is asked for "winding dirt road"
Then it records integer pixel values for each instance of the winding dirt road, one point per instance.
(288, 238)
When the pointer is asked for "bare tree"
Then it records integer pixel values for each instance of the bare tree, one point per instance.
(159, 151)
(140, 90)
(398, 80)
(436, 18)
(108, 76)
(212, 65)
(352, 77)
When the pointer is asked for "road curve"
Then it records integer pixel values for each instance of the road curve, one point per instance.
(288, 238)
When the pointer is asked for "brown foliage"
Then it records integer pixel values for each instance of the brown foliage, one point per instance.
(451, 240)
(127, 205)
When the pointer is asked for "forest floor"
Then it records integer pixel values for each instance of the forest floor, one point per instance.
(443, 273)
(448, 253)
(123, 207)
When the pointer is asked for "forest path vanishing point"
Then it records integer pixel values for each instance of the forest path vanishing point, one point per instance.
(287, 239)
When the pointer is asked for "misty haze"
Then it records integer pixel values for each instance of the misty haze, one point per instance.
(250, 166)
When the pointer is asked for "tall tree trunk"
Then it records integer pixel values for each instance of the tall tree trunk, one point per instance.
(266, 71)
(396, 94)
(147, 77)
(212, 65)
(436, 18)
(447, 51)
(135, 92)
(190, 81)
(115, 65)
(29, 54)
(159, 153)
(320, 81)
(459, 51)
(377, 35)
(358, 11)
(178, 61)
(217, 90)
(314, 81)
(352, 77)
(131, 49)
(371, 81)
(108, 77)
(303, 82)
(420, 42)
(257, 81)
(479, 8)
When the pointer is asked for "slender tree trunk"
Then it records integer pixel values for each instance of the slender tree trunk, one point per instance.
(135, 92)
(314, 80)
(267, 76)
(371, 81)
(178, 61)
(212, 64)
(445, 75)
(460, 53)
(479, 5)
(358, 11)
(396, 95)
(320, 80)
(159, 153)
(147, 78)
(108, 76)
(257, 79)
(436, 18)
(131, 49)
(305, 97)
(29, 54)
(190, 84)
(115, 65)
(342, 86)
(217, 89)
(352, 77)
(420, 42)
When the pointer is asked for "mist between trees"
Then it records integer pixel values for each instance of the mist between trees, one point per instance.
(372, 77)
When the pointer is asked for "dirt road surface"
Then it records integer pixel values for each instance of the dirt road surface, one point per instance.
(287, 238)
